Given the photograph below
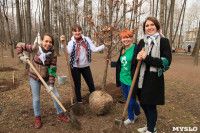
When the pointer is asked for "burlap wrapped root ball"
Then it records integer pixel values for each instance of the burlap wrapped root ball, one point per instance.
(100, 102)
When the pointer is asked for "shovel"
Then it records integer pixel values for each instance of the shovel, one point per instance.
(76, 107)
(120, 123)
(74, 121)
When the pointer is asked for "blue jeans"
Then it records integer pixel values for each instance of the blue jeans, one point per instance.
(133, 105)
(35, 88)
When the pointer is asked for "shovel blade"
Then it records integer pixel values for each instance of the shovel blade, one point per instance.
(74, 121)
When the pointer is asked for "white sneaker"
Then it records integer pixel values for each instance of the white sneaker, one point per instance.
(126, 122)
(142, 130)
(135, 117)
(151, 132)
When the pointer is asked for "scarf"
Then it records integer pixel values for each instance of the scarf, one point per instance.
(73, 54)
(152, 45)
(80, 42)
(43, 55)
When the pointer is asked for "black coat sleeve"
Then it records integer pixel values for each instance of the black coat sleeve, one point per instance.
(165, 51)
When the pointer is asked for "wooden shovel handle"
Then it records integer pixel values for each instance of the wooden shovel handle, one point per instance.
(132, 86)
(44, 83)
(69, 70)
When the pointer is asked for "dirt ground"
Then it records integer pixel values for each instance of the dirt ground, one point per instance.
(181, 109)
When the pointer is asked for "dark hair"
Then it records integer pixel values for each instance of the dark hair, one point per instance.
(154, 20)
(47, 34)
(76, 27)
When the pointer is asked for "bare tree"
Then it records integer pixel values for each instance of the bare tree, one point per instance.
(162, 2)
(56, 45)
(85, 10)
(47, 16)
(157, 8)
(28, 18)
(2, 35)
(90, 15)
(19, 23)
(172, 20)
(184, 3)
(8, 27)
(179, 40)
(197, 47)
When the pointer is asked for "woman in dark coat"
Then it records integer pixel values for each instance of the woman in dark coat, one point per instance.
(125, 71)
(156, 59)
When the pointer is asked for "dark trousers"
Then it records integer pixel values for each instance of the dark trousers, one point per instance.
(87, 75)
(150, 112)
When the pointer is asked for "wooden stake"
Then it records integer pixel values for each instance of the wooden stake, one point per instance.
(13, 77)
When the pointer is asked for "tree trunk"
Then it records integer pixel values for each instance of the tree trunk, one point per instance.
(28, 22)
(162, 13)
(56, 45)
(136, 20)
(13, 26)
(165, 17)
(110, 47)
(153, 9)
(196, 50)
(124, 13)
(8, 28)
(2, 35)
(172, 21)
(157, 8)
(85, 10)
(90, 15)
(47, 16)
(179, 21)
(179, 40)
(19, 23)
(167, 20)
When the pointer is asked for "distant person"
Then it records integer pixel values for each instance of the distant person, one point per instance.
(156, 59)
(125, 72)
(44, 57)
(173, 49)
(189, 48)
(80, 48)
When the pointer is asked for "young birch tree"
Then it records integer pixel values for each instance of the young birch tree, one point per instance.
(110, 27)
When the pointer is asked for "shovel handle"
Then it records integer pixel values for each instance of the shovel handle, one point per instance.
(44, 83)
(69, 70)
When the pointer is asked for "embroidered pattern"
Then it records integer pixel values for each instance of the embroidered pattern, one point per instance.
(73, 55)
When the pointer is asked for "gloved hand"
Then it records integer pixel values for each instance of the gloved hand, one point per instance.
(50, 88)
(24, 58)
(165, 64)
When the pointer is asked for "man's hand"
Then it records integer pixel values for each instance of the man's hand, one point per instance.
(24, 58)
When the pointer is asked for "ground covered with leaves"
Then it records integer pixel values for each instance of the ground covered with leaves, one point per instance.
(181, 109)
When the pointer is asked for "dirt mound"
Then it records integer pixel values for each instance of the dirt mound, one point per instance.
(6, 85)
(115, 92)
(5, 69)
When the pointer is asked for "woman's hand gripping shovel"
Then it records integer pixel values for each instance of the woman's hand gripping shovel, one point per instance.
(120, 123)
(74, 121)
(76, 107)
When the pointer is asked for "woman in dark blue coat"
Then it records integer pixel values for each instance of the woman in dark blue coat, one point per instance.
(125, 71)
